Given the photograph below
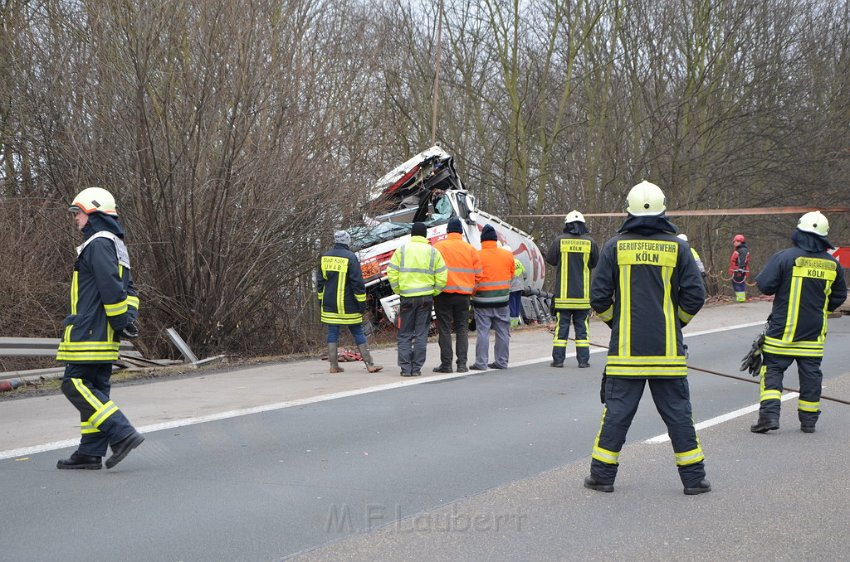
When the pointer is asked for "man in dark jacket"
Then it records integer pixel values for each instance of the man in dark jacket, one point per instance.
(646, 287)
(342, 295)
(104, 307)
(574, 254)
(807, 283)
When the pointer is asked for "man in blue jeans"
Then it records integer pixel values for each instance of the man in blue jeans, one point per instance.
(343, 296)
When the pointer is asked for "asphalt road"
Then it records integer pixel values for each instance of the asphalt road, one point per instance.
(482, 467)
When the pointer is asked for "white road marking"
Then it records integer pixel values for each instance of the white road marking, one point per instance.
(54, 445)
(726, 329)
(720, 419)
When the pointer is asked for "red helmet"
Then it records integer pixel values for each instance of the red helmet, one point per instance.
(739, 238)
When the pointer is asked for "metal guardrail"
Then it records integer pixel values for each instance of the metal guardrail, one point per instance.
(40, 347)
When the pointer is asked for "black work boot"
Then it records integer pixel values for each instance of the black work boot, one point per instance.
(763, 425)
(78, 460)
(807, 427)
(592, 483)
(557, 365)
(123, 448)
(700, 487)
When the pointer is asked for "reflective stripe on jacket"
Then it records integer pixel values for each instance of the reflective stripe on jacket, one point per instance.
(340, 286)
(417, 269)
(518, 280)
(494, 287)
(807, 286)
(103, 301)
(698, 259)
(646, 288)
(574, 256)
(462, 262)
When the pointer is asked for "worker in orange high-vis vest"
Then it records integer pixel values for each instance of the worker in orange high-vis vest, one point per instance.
(452, 305)
(490, 302)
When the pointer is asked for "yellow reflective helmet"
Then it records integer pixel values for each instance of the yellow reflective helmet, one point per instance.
(573, 216)
(94, 200)
(814, 222)
(646, 200)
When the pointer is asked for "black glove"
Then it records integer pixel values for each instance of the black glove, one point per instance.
(602, 387)
(130, 331)
(753, 359)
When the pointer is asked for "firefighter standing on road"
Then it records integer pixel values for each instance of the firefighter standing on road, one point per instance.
(104, 307)
(574, 254)
(807, 283)
(646, 287)
(739, 267)
(342, 294)
(416, 273)
(452, 305)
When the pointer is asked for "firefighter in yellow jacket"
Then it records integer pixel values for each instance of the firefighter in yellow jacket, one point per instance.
(416, 273)
(807, 283)
(646, 287)
(104, 307)
(574, 254)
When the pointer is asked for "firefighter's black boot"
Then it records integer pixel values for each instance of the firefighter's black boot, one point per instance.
(592, 483)
(367, 358)
(333, 358)
(79, 461)
(763, 425)
(807, 427)
(700, 487)
(123, 448)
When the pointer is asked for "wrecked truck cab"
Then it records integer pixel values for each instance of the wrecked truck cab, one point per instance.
(427, 189)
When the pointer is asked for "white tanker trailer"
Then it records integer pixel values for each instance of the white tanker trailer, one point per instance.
(409, 194)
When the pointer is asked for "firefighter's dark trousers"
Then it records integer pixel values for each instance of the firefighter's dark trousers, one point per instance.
(415, 313)
(101, 422)
(580, 319)
(452, 311)
(672, 399)
(811, 377)
(739, 287)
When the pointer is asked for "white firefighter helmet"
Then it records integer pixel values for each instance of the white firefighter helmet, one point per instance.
(94, 200)
(573, 216)
(814, 222)
(682, 236)
(646, 200)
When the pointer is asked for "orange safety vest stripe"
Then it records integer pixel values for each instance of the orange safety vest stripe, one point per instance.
(497, 265)
(462, 262)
